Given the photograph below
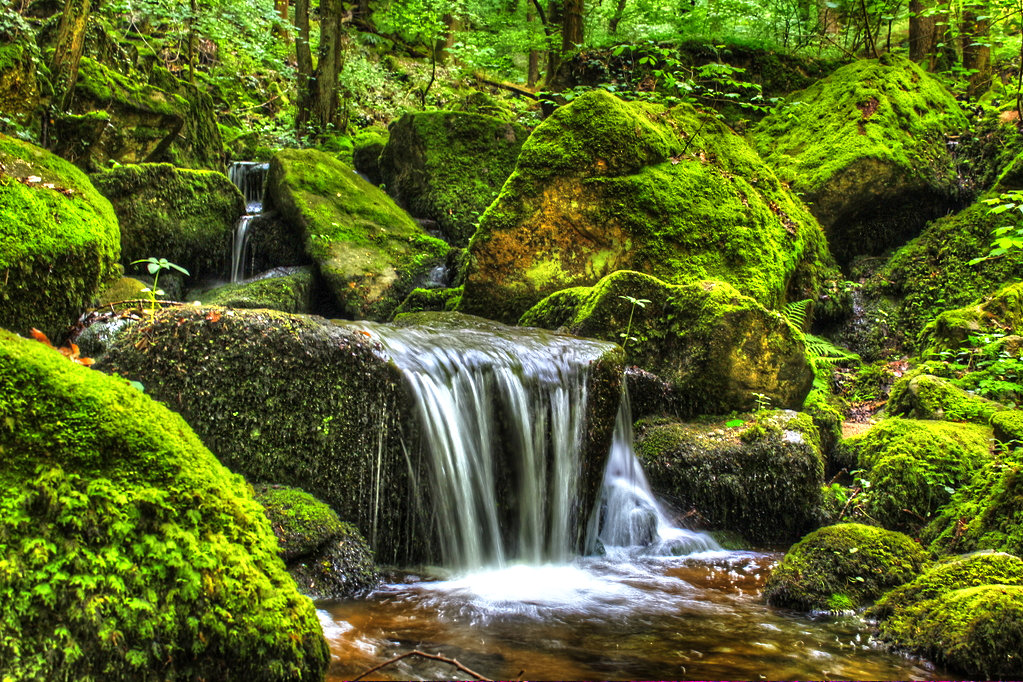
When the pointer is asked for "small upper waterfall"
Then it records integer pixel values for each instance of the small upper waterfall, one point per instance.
(503, 412)
(249, 177)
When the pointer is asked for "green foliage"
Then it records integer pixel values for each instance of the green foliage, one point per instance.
(626, 335)
(155, 266)
(1008, 236)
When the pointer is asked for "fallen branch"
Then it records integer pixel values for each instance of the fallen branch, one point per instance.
(510, 87)
(432, 657)
(852, 497)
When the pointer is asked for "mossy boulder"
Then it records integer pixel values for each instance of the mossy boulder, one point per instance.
(915, 466)
(1008, 426)
(843, 567)
(59, 240)
(129, 551)
(290, 292)
(292, 400)
(19, 57)
(604, 185)
(448, 166)
(761, 478)
(985, 514)
(866, 148)
(923, 396)
(996, 312)
(137, 117)
(965, 613)
(186, 216)
(367, 146)
(328, 558)
(716, 346)
(369, 253)
(423, 300)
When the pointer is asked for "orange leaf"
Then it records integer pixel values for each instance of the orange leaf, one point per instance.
(85, 361)
(40, 337)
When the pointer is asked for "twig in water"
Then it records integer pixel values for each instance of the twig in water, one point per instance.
(432, 657)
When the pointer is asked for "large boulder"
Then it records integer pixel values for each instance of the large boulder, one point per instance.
(368, 251)
(965, 613)
(137, 117)
(924, 396)
(59, 240)
(914, 466)
(129, 551)
(866, 148)
(717, 347)
(186, 216)
(760, 478)
(843, 567)
(605, 185)
(447, 166)
(328, 558)
(287, 289)
(951, 330)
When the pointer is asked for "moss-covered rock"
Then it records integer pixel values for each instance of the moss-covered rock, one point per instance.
(59, 240)
(996, 312)
(447, 166)
(716, 346)
(368, 251)
(914, 466)
(922, 396)
(19, 56)
(760, 478)
(965, 612)
(604, 185)
(186, 216)
(328, 558)
(290, 292)
(866, 148)
(421, 300)
(842, 567)
(985, 514)
(137, 117)
(129, 551)
(292, 400)
(1008, 426)
(367, 146)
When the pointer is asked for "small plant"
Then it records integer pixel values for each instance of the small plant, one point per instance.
(1010, 235)
(70, 351)
(155, 266)
(761, 402)
(641, 302)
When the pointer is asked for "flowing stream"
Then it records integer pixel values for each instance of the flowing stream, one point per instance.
(249, 177)
(513, 598)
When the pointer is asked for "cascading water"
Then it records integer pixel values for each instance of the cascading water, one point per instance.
(249, 177)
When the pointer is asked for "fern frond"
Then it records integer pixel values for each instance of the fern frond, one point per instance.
(823, 351)
(795, 312)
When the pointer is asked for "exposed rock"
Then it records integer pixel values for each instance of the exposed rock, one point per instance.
(328, 558)
(369, 253)
(604, 185)
(185, 216)
(59, 243)
(367, 146)
(128, 548)
(761, 478)
(866, 148)
(715, 346)
(447, 166)
(843, 567)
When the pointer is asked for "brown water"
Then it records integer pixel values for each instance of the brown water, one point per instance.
(621, 618)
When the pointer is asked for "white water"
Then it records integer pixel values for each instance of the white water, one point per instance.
(249, 177)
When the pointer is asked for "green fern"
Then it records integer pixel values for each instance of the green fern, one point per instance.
(823, 351)
(795, 313)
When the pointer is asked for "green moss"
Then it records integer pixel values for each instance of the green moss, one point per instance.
(922, 396)
(952, 329)
(447, 166)
(975, 630)
(19, 56)
(58, 244)
(185, 216)
(605, 185)
(866, 147)
(722, 474)
(849, 562)
(715, 345)
(124, 289)
(985, 514)
(420, 300)
(1008, 427)
(128, 550)
(369, 252)
(327, 557)
(914, 466)
(366, 153)
(291, 293)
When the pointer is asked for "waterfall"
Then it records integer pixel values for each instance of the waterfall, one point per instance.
(503, 416)
(631, 517)
(249, 177)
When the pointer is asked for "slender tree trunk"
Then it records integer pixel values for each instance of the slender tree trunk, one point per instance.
(281, 30)
(67, 53)
(446, 39)
(193, 40)
(330, 57)
(553, 49)
(944, 55)
(976, 50)
(304, 62)
(533, 70)
(616, 18)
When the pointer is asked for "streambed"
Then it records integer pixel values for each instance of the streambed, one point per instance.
(620, 617)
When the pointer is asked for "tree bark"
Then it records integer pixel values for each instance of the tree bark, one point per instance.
(330, 56)
(944, 54)
(976, 50)
(616, 18)
(923, 37)
(67, 53)
(446, 39)
(533, 70)
(572, 25)
(281, 30)
(304, 62)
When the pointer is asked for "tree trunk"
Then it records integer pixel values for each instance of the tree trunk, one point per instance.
(533, 70)
(616, 18)
(572, 25)
(193, 40)
(923, 36)
(67, 53)
(330, 56)
(554, 15)
(446, 39)
(944, 55)
(304, 62)
(976, 50)
(281, 29)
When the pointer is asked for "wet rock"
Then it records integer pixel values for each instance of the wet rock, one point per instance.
(367, 146)
(291, 291)
(604, 185)
(110, 505)
(61, 240)
(866, 148)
